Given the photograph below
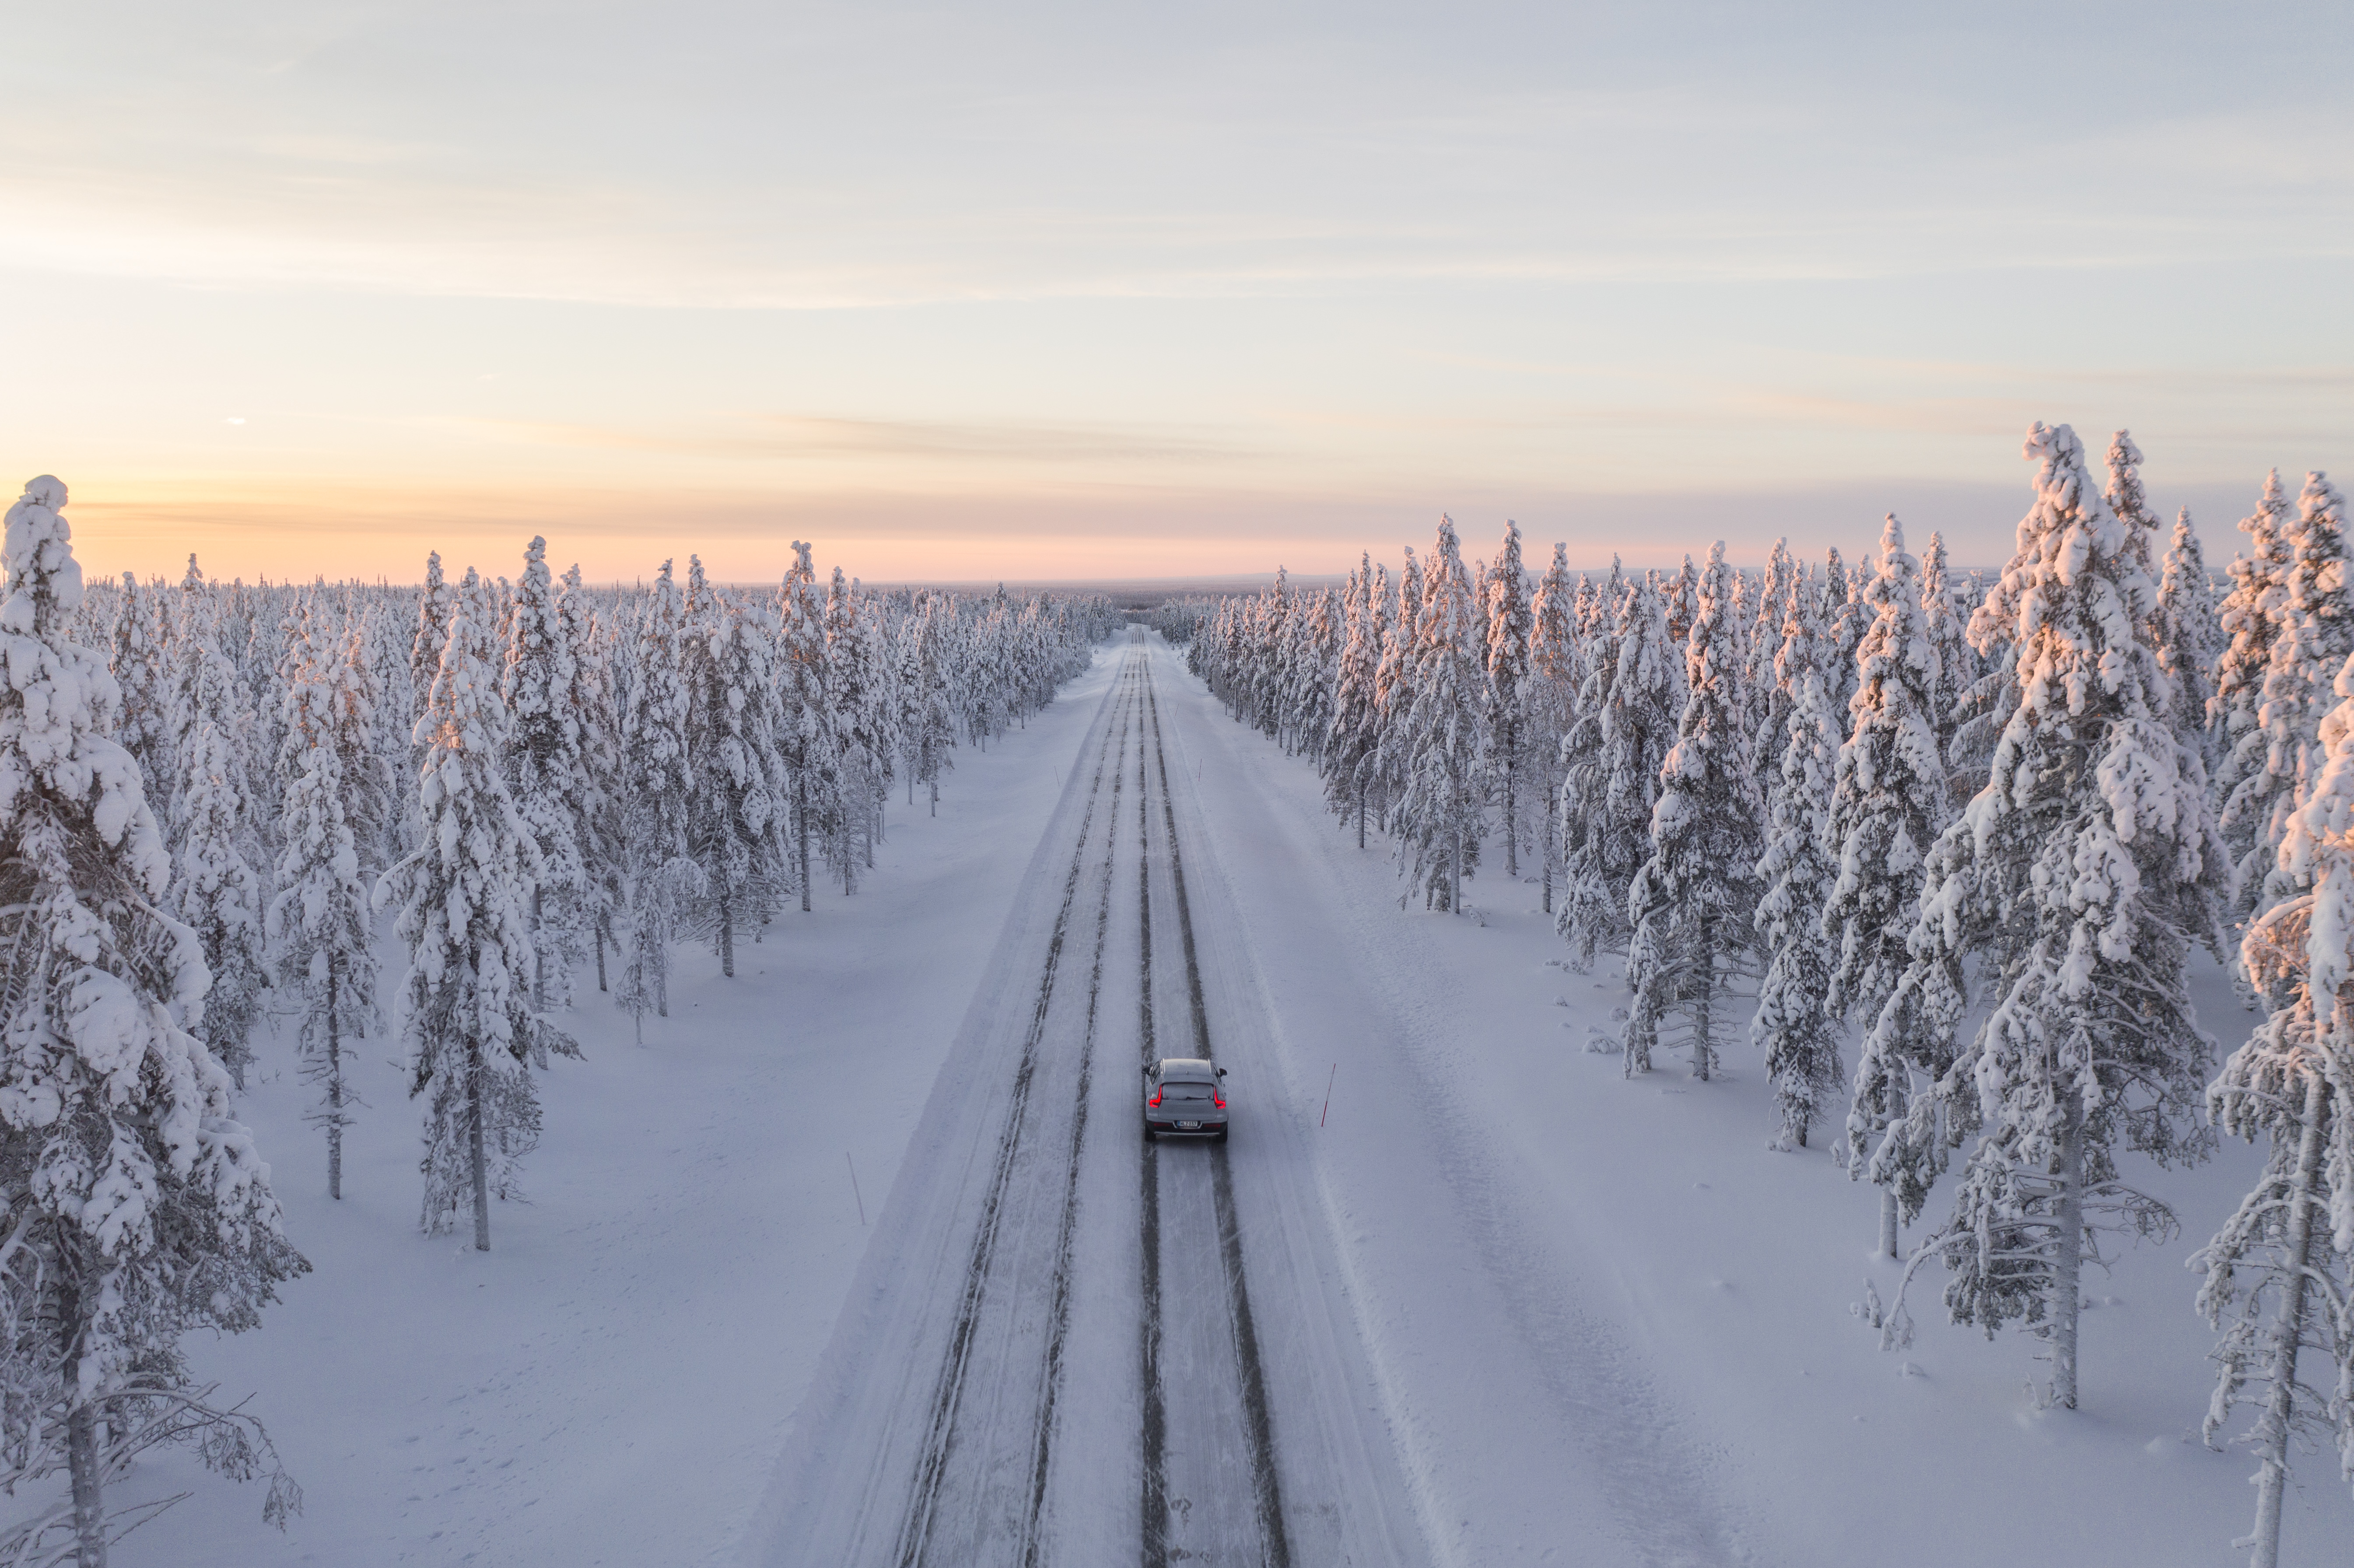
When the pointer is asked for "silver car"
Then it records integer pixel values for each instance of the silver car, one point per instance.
(1183, 1098)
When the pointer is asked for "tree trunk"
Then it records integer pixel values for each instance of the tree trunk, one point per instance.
(1361, 813)
(89, 1507)
(936, 797)
(474, 1150)
(801, 825)
(539, 948)
(2065, 1294)
(602, 923)
(334, 1081)
(1887, 1244)
(2288, 1329)
(726, 936)
(1512, 827)
(1703, 1009)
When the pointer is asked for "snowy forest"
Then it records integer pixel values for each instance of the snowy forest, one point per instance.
(1947, 842)
(214, 796)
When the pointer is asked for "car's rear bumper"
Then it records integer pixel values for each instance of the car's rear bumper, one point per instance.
(1207, 1129)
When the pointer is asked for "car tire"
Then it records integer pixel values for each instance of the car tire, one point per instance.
(1219, 1136)
(1148, 1132)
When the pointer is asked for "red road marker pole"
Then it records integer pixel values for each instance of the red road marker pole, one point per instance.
(1327, 1094)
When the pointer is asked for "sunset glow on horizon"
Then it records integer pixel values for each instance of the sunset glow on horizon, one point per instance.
(1053, 293)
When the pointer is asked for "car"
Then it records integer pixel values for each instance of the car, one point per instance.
(1184, 1098)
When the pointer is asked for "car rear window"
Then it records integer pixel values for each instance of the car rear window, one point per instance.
(1188, 1091)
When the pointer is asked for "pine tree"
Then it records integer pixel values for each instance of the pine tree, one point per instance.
(2190, 639)
(1508, 625)
(139, 664)
(1843, 625)
(735, 817)
(932, 740)
(1948, 641)
(2251, 624)
(2280, 1273)
(137, 1210)
(1439, 814)
(806, 733)
(1556, 671)
(662, 874)
(435, 605)
(1784, 577)
(1793, 1026)
(465, 898)
(2314, 635)
(1393, 687)
(1353, 738)
(214, 887)
(1627, 720)
(1692, 905)
(320, 918)
(2078, 877)
(1887, 808)
(852, 683)
(547, 770)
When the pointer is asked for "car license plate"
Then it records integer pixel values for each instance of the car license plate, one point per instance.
(1189, 1127)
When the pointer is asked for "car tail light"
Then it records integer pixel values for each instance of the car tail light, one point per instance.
(1156, 1096)
(1218, 1098)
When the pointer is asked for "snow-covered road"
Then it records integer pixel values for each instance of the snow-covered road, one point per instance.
(1067, 1344)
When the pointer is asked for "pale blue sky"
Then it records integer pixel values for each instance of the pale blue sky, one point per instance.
(1065, 290)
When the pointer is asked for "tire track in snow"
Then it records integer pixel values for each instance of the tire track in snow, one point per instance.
(1266, 1484)
(1154, 1468)
(947, 1393)
(1059, 1307)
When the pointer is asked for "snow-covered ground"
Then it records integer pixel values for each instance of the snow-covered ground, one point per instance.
(1574, 1318)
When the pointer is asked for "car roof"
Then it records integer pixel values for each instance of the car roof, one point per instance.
(1182, 1067)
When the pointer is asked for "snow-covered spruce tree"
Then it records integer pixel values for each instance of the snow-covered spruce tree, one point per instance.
(2250, 617)
(435, 604)
(1887, 801)
(1508, 624)
(368, 790)
(2077, 878)
(851, 685)
(932, 742)
(735, 817)
(2316, 635)
(2280, 1273)
(136, 1210)
(1887, 808)
(1679, 597)
(653, 740)
(1556, 671)
(465, 912)
(139, 663)
(2189, 634)
(1354, 734)
(1628, 714)
(214, 887)
(547, 771)
(806, 733)
(1844, 619)
(1393, 687)
(1773, 697)
(386, 643)
(321, 919)
(1438, 817)
(1692, 905)
(1793, 1026)
(602, 833)
(1942, 625)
